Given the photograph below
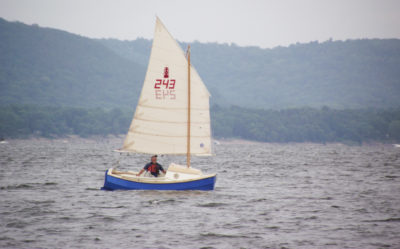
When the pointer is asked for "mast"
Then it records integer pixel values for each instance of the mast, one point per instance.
(188, 112)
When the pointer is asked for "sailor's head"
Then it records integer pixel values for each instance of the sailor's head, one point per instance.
(154, 159)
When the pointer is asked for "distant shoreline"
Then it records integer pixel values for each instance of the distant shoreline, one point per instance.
(244, 142)
(239, 141)
(120, 138)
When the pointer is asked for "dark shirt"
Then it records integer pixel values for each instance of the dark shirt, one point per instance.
(154, 169)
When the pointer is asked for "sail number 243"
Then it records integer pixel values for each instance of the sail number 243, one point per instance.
(165, 89)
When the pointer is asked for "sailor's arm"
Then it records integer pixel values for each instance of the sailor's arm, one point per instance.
(162, 169)
(141, 171)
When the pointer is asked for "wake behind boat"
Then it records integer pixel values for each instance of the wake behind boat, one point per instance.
(172, 117)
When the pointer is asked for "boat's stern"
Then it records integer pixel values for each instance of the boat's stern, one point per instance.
(176, 171)
(184, 173)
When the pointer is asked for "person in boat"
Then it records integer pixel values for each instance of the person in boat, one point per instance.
(153, 167)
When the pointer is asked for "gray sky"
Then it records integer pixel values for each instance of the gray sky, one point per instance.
(264, 23)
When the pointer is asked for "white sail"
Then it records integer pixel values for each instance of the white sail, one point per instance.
(159, 125)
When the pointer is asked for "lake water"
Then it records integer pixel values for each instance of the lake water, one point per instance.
(266, 196)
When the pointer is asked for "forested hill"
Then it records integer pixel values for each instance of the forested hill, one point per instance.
(338, 74)
(50, 67)
(54, 83)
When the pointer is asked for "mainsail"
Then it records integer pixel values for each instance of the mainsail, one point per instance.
(160, 123)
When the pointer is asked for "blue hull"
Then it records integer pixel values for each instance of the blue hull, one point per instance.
(115, 183)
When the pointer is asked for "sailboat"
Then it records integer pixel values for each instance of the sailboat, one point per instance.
(172, 117)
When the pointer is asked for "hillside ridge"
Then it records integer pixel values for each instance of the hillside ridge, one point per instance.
(45, 66)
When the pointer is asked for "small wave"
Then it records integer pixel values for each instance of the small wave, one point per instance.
(27, 185)
(6, 238)
(381, 245)
(65, 218)
(29, 241)
(259, 200)
(17, 224)
(108, 218)
(43, 202)
(385, 220)
(50, 183)
(18, 186)
(92, 189)
(165, 201)
(212, 204)
(159, 202)
(218, 235)
(275, 228)
(169, 201)
(113, 207)
(311, 218)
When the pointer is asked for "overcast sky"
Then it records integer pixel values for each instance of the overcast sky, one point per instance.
(264, 23)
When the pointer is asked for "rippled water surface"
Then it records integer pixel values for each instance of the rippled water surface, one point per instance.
(266, 196)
